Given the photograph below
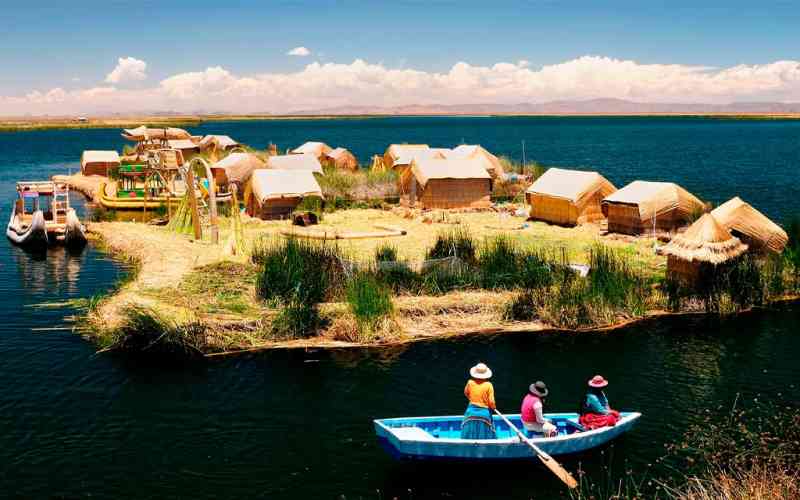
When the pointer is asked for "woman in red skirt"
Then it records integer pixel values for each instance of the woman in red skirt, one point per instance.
(595, 410)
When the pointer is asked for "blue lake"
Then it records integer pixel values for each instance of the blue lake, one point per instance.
(298, 424)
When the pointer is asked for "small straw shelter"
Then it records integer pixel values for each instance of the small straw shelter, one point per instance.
(478, 152)
(218, 142)
(318, 149)
(341, 158)
(693, 257)
(643, 206)
(447, 183)
(98, 162)
(303, 161)
(186, 146)
(236, 168)
(395, 151)
(568, 197)
(274, 194)
(751, 226)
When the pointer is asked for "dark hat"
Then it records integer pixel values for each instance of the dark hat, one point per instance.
(539, 388)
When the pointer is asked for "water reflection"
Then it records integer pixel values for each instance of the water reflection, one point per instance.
(57, 270)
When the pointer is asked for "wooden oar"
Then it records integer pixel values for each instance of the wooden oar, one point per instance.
(562, 473)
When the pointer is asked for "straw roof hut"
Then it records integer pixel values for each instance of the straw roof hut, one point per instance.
(142, 133)
(568, 197)
(751, 226)
(236, 168)
(305, 161)
(98, 162)
(186, 146)
(318, 149)
(274, 194)
(395, 151)
(476, 151)
(642, 205)
(341, 158)
(695, 254)
(220, 142)
(447, 183)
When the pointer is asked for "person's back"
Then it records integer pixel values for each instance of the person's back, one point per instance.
(478, 422)
(532, 411)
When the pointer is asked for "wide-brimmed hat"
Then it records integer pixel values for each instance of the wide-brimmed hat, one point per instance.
(598, 381)
(539, 388)
(480, 372)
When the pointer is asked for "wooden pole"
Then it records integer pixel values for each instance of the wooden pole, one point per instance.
(212, 201)
(198, 234)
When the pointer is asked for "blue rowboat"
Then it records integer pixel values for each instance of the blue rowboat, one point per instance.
(439, 438)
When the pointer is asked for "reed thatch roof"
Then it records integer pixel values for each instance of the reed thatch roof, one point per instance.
(342, 158)
(239, 167)
(318, 149)
(426, 169)
(739, 216)
(705, 241)
(476, 151)
(406, 157)
(99, 157)
(221, 141)
(304, 161)
(656, 198)
(182, 144)
(143, 133)
(572, 185)
(276, 184)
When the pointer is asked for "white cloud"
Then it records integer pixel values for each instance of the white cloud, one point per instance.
(129, 69)
(299, 51)
(320, 85)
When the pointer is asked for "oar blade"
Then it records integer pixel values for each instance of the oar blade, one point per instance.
(562, 473)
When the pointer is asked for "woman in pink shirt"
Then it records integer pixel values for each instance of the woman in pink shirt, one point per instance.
(532, 411)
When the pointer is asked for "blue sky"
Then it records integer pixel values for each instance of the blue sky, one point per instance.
(74, 45)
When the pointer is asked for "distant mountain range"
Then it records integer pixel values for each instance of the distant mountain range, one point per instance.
(592, 106)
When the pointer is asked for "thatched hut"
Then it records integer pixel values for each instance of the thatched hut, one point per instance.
(395, 151)
(187, 147)
(305, 161)
(340, 158)
(98, 162)
(751, 226)
(217, 142)
(447, 183)
(318, 149)
(236, 168)
(642, 206)
(478, 152)
(693, 257)
(274, 194)
(568, 197)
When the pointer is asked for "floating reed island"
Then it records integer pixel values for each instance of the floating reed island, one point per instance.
(255, 249)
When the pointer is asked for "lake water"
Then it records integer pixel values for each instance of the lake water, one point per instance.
(298, 424)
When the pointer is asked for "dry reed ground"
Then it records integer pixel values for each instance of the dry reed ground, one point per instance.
(172, 278)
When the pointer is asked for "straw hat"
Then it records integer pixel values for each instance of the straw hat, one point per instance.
(480, 372)
(539, 388)
(598, 381)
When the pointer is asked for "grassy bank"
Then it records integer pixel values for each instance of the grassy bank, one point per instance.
(450, 274)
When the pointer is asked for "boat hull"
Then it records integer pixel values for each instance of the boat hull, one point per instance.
(436, 438)
(117, 203)
(74, 232)
(34, 236)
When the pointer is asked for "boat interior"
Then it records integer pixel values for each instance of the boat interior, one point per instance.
(450, 428)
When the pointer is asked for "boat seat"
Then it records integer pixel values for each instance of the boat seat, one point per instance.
(412, 434)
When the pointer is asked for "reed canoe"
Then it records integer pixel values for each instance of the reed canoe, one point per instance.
(439, 438)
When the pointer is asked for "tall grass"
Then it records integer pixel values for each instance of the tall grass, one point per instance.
(456, 242)
(144, 330)
(370, 302)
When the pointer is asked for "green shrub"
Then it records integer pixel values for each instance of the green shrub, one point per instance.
(499, 262)
(446, 277)
(386, 253)
(453, 243)
(523, 307)
(295, 320)
(369, 300)
(297, 270)
(400, 277)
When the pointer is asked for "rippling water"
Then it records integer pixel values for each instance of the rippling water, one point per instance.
(298, 424)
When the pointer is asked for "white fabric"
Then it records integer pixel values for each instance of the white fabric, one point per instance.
(99, 157)
(547, 429)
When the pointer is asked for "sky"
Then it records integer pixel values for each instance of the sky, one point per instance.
(115, 56)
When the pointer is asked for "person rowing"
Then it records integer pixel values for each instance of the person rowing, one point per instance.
(595, 411)
(478, 422)
(532, 410)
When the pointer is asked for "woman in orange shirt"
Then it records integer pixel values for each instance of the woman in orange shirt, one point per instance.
(478, 423)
